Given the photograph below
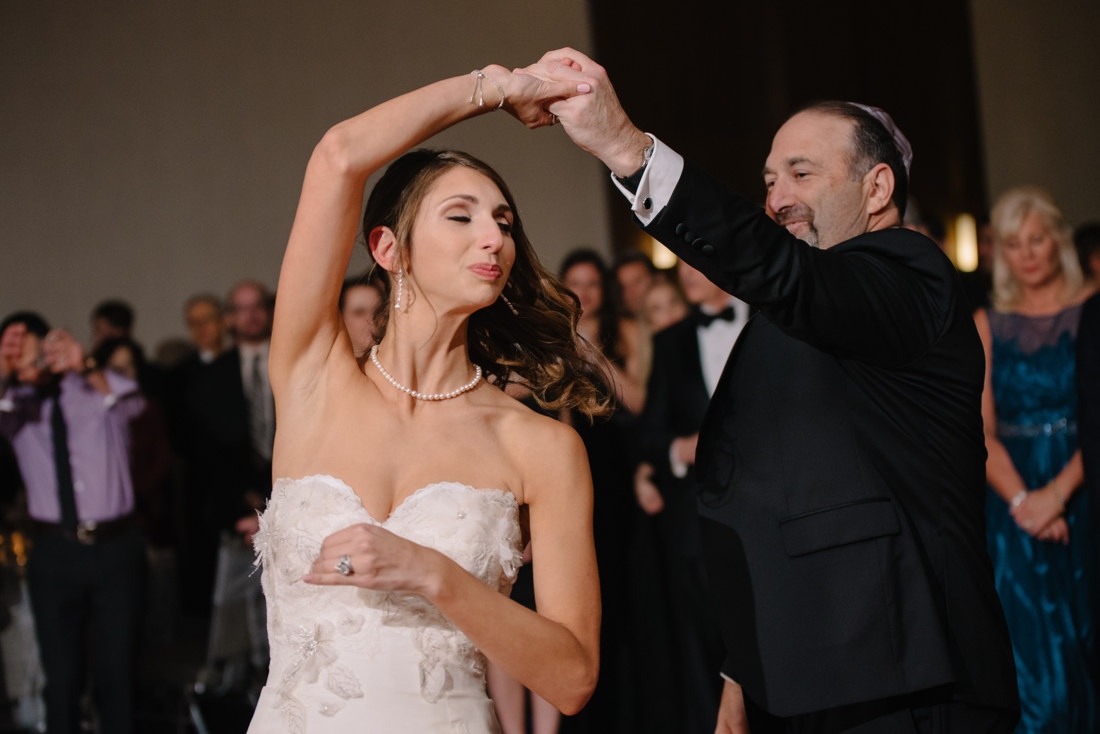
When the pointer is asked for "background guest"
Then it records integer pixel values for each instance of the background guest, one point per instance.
(610, 448)
(360, 299)
(230, 417)
(112, 318)
(688, 358)
(583, 271)
(70, 432)
(663, 305)
(1038, 523)
(206, 326)
(634, 272)
(151, 465)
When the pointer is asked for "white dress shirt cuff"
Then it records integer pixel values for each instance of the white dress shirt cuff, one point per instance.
(659, 180)
(678, 468)
(726, 677)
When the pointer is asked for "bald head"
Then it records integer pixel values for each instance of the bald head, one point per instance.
(873, 138)
(820, 184)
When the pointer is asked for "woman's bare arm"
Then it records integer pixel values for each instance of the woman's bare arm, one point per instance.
(323, 234)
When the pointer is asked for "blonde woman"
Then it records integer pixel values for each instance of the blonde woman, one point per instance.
(1037, 516)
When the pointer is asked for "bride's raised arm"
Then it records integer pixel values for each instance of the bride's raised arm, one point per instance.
(307, 321)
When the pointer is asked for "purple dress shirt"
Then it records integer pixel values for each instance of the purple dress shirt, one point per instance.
(99, 445)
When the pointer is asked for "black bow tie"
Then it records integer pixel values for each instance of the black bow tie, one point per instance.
(706, 319)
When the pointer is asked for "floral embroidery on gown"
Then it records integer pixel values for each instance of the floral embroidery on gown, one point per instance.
(345, 659)
(1044, 587)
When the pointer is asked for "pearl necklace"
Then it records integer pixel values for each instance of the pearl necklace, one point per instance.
(425, 396)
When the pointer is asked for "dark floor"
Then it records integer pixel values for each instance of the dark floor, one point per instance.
(167, 702)
(166, 676)
(172, 657)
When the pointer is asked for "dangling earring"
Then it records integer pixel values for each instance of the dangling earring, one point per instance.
(400, 288)
(509, 304)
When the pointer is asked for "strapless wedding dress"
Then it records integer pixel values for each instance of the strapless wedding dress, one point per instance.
(345, 659)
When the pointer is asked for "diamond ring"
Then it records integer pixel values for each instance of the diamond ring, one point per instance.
(344, 566)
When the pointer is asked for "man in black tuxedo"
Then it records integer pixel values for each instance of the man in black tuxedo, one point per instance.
(687, 362)
(841, 463)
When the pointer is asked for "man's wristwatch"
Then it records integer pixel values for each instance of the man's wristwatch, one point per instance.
(632, 181)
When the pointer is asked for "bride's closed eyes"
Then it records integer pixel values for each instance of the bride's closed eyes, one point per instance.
(502, 221)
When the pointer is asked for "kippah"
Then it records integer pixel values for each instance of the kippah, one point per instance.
(900, 140)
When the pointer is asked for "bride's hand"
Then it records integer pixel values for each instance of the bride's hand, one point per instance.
(596, 121)
(528, 97)
(376, 559)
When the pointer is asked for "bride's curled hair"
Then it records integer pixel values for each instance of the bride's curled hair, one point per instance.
(538, 347)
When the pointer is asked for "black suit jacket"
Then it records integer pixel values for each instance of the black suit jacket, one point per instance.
(676, 396)
(841, 466)
(1088, 399)
(676, 403)
(223, 468)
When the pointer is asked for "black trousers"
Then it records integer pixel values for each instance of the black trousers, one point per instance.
(919, 713)
(77, 591)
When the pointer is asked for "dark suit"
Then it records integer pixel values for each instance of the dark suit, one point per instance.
(676, 402)
(676, 396)
(841, 466)
(223, 443)
(1088, 407)
(222, 470)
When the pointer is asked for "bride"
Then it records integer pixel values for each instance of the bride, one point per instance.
(409, 480)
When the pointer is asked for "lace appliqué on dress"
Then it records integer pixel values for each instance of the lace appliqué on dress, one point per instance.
(311, 627)
(317, 659)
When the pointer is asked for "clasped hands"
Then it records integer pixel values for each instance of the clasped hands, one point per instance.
(567, 86)
(1040, 515)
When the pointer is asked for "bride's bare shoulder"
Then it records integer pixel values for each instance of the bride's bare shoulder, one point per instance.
(528, 432)
(546, 450)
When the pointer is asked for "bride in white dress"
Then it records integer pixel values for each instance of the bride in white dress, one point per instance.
(408, 481)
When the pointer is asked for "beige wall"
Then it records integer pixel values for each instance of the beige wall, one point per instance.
(1039, 81)
(150, 150)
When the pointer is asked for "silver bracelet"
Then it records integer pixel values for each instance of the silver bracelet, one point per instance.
(480, 93)
(1019, 498)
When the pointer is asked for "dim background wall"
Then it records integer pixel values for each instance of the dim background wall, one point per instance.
(1039, 86)
(151, 150)
(732, 73)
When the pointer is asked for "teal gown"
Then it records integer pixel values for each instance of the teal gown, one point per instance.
(1045, 588)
